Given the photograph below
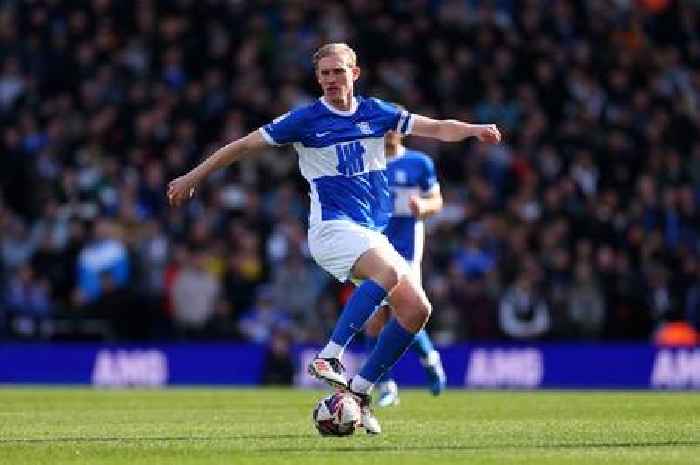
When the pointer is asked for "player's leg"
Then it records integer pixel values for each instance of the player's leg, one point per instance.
(423, 346)
(387, 390)
(382, 264)
(430, 359)
(374, 326)
(411, 311)
(379, 269)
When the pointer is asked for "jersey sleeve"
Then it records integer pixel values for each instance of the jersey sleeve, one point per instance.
(393, 118)
(428, 180)
(285, 129)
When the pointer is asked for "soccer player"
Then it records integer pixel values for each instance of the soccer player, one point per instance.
(416, 196)
(340, 143)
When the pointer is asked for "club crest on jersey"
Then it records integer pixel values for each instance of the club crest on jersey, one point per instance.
(401, 177)
(364, 128)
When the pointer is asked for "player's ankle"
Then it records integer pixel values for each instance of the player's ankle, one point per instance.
(432, 359)
(360, 385)
(332, 350)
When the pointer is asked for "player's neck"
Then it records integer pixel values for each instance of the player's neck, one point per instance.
(339, 107)
(342, 103)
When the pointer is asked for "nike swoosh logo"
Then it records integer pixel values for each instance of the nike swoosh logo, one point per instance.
(321, 134)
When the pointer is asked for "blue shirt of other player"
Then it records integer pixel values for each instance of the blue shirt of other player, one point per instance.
(415, 193)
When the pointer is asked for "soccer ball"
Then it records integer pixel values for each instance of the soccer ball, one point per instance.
(337, 415)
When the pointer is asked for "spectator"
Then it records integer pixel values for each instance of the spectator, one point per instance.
(27, 300)
(104, 253)
(259, 323)
(472, 260)
(659, 297)
(244, 271)
(125, 318)
(586, 306)
(524, 313)
(195, 295)
(279, 368)
(52, 266)
(479, 309)
(153, 248)
(600, 148)
(296, 286)
(17, 242)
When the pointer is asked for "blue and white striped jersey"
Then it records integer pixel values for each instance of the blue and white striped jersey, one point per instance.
(409, 173)
(341, 155)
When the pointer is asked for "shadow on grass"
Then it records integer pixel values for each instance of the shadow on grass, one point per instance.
(353, 449)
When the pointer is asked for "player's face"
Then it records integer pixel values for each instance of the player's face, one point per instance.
(336, 77)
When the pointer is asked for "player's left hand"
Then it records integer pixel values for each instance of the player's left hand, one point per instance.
(488, 133)
(180, 190)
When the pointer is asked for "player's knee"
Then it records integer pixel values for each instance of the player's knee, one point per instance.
(423, 311)
(415, 316)
(388, 277)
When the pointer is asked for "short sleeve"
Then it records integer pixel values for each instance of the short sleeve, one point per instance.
(428, 180)
(285, 129)
(393, 118)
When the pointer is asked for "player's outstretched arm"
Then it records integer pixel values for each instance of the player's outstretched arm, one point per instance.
(182, 188)
(451, 130)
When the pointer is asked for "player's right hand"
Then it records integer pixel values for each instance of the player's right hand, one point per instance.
(488, 133)
(180, 190)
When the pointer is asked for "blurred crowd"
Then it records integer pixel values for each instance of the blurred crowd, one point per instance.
(584, 224)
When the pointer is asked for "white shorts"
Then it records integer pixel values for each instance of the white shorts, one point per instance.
(337, 244)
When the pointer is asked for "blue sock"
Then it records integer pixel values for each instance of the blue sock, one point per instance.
(393, 342)
(370, 342)
(422, 345)
(357, 311)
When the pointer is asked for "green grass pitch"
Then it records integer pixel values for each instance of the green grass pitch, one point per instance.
(273, 426)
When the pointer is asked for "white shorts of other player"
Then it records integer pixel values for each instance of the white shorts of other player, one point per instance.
(337, 244)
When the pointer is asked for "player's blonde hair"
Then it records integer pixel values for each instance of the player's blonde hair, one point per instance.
(336, 49)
